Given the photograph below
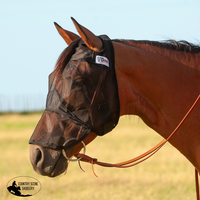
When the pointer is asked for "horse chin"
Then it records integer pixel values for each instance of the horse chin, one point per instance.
(47, 162)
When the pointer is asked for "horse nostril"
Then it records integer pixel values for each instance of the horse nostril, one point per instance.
(38, 156)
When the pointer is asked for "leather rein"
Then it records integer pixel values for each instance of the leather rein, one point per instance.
(142, 157)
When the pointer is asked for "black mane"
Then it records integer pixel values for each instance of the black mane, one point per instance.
(168, 44)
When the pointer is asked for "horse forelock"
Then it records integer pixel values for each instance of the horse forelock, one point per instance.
(181, 45)
(63, 59)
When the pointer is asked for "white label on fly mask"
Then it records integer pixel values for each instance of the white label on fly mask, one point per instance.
(102, 60)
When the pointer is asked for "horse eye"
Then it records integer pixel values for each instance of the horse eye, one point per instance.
(78, 83)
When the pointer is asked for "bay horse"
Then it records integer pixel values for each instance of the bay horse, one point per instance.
(157, 81)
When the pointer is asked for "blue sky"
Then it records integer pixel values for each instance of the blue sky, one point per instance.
(30, 44)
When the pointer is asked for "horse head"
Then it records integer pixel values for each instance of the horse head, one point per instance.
(82, 101)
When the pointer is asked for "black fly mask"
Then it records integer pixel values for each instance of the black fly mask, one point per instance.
(83, 99)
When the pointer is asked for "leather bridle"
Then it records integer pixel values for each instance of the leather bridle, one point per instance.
(142, 157)
(82, 134)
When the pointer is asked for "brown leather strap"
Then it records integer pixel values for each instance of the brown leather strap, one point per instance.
(197, 183)
(125, 164)
(143, 156)
(100, 81)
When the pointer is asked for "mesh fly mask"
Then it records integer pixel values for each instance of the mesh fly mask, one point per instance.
(84, 99)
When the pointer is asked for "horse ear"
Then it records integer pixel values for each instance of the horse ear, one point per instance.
(66, 35)
(92, 41)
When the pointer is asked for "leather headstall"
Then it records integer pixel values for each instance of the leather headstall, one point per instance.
(100, 116)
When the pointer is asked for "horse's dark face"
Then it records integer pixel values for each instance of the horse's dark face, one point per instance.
(82, 103)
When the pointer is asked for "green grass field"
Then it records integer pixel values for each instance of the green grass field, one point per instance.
(167, 175)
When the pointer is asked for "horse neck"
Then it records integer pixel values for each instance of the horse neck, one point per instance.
(190, 59)
(160, 88)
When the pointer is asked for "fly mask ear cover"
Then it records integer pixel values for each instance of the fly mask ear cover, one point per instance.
(105, 114)
(102, 116)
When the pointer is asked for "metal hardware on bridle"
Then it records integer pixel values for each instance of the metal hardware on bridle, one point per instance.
(64, 153)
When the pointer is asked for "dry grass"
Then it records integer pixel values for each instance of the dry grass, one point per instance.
(167, 175)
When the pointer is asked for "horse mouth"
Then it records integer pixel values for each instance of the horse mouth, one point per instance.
(57, 171)
(47, 162)
(58, 168)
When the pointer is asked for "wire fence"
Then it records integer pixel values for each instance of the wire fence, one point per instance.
(22, 103)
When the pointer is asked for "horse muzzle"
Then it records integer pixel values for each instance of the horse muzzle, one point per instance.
(47, 162)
